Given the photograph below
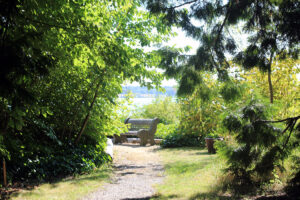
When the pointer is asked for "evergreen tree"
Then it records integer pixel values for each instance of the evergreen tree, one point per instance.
(260, 147)
(270, 26)
(272, 31)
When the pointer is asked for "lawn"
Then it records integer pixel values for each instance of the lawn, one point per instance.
(191, 173)
(67, 189)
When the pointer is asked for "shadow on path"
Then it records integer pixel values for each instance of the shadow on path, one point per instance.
(133, 145)
(125, 167)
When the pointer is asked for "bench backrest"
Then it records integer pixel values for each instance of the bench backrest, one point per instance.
(146, 124)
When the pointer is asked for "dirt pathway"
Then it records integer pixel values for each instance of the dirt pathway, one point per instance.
(137, 169)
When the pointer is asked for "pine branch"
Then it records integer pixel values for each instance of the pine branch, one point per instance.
(222, 26)
(220, 31)
(282, 120)
(186, 3)
(291, 127)
(291, 122)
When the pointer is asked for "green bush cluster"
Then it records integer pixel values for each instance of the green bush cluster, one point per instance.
(38, 154)
(176, 139)
(164, 130)
(63, 160)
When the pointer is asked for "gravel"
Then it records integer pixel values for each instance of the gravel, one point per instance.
(137, 169)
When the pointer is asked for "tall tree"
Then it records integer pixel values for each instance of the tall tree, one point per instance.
(63, 63)
(102, 40)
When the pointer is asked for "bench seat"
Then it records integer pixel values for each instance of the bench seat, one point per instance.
(143, 128)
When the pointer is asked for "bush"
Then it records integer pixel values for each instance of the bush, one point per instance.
(181, 140)
(164, 130)
(65, 160)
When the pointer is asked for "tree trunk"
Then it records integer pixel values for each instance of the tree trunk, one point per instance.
(4, 173)
(270, 80)
(270, 86)
(87, 116)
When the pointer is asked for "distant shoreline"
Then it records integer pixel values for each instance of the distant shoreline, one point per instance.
(143, 92)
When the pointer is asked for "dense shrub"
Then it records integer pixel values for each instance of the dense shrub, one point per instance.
(164, 130)
(57, 161)
(58, 89)
(176, 139)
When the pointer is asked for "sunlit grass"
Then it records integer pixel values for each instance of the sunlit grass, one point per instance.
(67, 189)
(191, 173)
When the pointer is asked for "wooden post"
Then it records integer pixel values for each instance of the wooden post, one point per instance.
(4, 173)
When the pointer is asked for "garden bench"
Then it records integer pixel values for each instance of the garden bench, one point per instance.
(142, 128)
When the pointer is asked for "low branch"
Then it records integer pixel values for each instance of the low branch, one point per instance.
(282, 120)
(291, 122)
(219, 33)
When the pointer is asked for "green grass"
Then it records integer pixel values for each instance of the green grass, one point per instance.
(67, 189)
(191, 173)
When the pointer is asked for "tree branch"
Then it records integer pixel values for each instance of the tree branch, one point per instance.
(219, 32)
(180, 5)
(222, 26)
(282, 120)
(291, 126)
(49, 25)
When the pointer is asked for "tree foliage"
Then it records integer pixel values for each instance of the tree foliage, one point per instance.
(285, 85)
(63, 66)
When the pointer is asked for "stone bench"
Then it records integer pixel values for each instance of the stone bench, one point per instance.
(142, 128)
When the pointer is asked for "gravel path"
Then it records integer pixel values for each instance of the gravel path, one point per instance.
(137, 169)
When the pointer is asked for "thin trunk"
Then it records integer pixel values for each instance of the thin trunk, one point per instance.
(270, 86)
(87, 116)
(76, 110)
(270, 80)
(4, 173)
